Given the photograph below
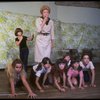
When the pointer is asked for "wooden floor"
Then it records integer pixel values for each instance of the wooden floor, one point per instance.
(87, 93)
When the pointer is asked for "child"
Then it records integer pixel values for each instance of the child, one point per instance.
(39, 73)
(21, 41)
(88, 70)
(73, 72)
(67, 59)
(58, 73)
(16, 74)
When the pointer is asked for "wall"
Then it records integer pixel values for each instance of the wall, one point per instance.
(30, 8)
(69, 14)
(79, 29)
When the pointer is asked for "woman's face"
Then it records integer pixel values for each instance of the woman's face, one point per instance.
(62, 66)
(45, 13)
(67, 58)
(18, 67)
(76, 65)
(86, 59)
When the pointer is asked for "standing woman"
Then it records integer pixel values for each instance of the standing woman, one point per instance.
(45, 37)
(21, 41)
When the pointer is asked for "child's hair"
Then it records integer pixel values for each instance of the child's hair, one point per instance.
(67, 54)
(10, 67)
(60, 61)
(84, 55)
(73, 62)
(56, 71)
(45, 60)
(18, 30)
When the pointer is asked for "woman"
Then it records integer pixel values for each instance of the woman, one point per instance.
(21, 41)
(16, 75)
(45, 36)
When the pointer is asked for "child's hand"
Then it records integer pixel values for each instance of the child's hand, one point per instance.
(32, 36)
(32, 95)
(20, 38)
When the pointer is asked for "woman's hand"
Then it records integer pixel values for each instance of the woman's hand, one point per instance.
(32, 95)
(13, 95)
(52, 43)
(46, 18)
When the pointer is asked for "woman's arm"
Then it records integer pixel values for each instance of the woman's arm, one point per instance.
(44, 79)
(70, 83)
(57, 85)
(31, 94)
(44, 22)
(93, 78)
(64, 80)
(12, 87)
(52, 43)
(81, 80)
(69, 74)
(40, 24)
(38, 85)
(52, 35)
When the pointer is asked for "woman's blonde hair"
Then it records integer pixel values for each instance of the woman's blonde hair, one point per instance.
(45, 7)
(10, 68)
